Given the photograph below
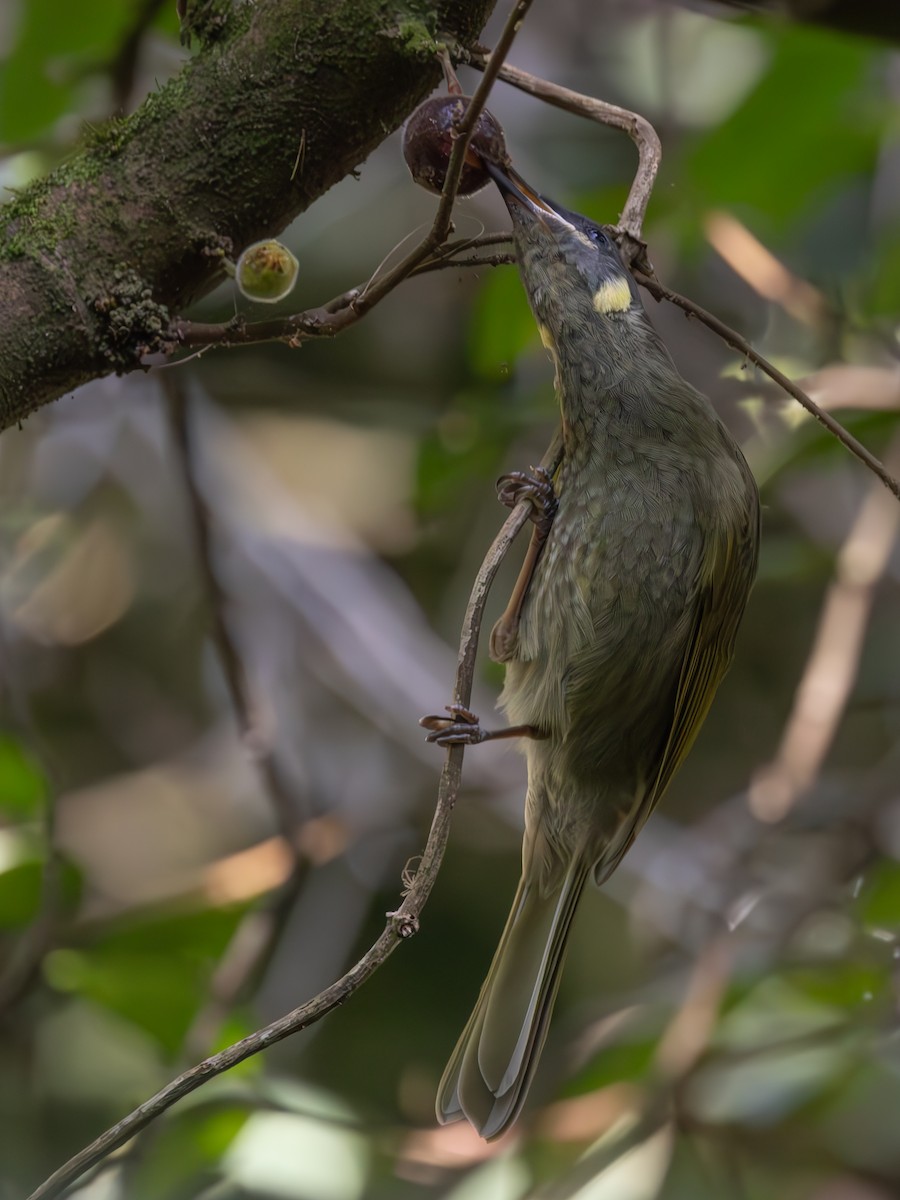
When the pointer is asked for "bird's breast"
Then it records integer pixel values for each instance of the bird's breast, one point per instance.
(611, 593)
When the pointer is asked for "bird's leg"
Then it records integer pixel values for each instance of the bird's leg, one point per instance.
(538, 488)
(535, 485)
(461, 728)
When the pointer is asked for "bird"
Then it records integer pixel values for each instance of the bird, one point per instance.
(619, 630)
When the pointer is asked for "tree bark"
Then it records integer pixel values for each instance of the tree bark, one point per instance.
(284, 99)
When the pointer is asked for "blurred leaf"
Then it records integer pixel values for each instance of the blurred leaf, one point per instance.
(21, 891)
(155, 974)
(503, 1178)
(766, 1088)
(57, 44)
(688, 1178)
(200, 936)
(774, 1010)
(810, 443)
(153, 991)
(305, 1100)
(633, 1171)
(788, 558)
(845, 984)
(784, 1044)
(447, 465)
(471, 437)
(469, 442)
(620, 1063)
(880, 899)
(280, 1154)
(604, 205)
(716, 63)
(882, 293)
(802, 131)
(186, 1153)
(20, 894)
(22, 786)
(502, 325)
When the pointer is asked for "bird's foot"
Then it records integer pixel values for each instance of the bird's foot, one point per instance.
(535, 485)
(461, 728)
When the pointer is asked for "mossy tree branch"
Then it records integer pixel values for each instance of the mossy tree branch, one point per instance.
(95, 258)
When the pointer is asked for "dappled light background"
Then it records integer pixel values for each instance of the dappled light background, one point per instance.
(726, 1026)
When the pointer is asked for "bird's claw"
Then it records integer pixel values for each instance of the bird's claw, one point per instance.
(461, 728)
(535, 485)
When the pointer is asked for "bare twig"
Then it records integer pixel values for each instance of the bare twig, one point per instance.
(646, 140)
(638, 128)
(334, 317)
(734, 339)
(400, 925)
(317, 322)
(477, 260)
(833, 662)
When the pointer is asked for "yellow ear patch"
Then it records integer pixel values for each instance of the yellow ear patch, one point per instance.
(613, 295)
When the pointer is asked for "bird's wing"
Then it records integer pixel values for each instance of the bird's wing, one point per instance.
(719, 607)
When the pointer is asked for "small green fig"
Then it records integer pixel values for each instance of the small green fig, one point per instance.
(266, 272)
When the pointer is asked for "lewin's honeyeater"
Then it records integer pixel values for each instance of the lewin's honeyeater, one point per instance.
(619, 631)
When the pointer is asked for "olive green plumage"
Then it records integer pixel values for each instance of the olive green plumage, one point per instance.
(626, 630)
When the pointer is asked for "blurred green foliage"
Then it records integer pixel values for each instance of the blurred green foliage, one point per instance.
(56, 54)
(22, 787)
(772, 159)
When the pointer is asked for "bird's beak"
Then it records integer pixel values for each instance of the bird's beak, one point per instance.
(515, 190)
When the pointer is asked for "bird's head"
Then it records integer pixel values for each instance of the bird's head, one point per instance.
(570, 265)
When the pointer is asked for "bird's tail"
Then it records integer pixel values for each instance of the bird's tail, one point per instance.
(490, 1071)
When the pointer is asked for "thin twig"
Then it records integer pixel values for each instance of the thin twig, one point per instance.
(638, 128)
(276, 788)
(646, 140)
(477, 260)
(734, 339)
(332, 318)
(317, 322)
(401, 924)
(344, 310)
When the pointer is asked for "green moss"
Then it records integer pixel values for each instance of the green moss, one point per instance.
(417, 35)
(108, 139)
(30, 229)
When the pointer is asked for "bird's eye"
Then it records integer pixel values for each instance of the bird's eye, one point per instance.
(597, 235)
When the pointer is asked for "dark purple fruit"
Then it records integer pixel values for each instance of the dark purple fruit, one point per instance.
(428, 140)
